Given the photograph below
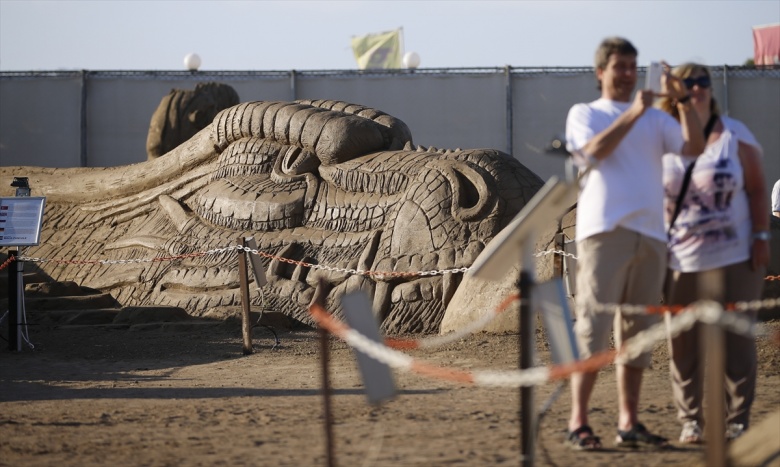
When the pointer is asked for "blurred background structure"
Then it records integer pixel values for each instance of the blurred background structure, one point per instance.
(101, 118)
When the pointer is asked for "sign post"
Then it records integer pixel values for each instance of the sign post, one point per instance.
(14, 340)
(21, 219)
(518, 240)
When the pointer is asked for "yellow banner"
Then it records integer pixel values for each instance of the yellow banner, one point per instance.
(380, 50)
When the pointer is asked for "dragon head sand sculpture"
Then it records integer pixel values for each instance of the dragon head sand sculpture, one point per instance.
(323, 183)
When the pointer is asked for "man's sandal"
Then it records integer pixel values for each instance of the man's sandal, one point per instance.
(638, 437)
(691, 433)
(583, 439)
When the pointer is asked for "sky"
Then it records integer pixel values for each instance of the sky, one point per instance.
(94, 35)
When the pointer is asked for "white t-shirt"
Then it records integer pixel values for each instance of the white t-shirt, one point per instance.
(776, 197)
(713, 228)
(624, 189)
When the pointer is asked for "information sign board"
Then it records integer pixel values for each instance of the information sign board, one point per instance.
(21, 219)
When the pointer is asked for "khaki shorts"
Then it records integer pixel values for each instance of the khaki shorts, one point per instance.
(617, 267)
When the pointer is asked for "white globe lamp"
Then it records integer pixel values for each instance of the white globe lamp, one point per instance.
(411, 60)
(192, 61)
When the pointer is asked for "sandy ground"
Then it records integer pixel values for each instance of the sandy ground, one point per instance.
(186, 395)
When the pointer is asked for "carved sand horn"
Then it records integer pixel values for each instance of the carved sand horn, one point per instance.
(334, 131)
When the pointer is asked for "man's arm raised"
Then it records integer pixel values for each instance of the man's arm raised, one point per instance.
(604, 143)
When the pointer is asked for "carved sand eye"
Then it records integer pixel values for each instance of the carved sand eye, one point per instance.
(297, 161)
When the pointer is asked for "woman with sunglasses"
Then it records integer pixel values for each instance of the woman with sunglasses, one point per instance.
(716, 215)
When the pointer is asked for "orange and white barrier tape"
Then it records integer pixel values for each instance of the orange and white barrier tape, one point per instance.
(644, 341)
(438, 341)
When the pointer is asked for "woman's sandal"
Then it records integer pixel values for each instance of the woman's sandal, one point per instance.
(583, 439)
(638, 437)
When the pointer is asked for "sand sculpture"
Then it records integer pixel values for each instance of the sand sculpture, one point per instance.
(183, 113)
(323, 182)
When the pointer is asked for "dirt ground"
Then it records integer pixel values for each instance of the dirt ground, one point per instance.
(181, 395)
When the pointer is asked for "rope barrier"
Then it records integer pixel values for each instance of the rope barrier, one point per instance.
(753, 305)
(430, 342)
(7, 262)
(438, 341)
(378, 274)
(644, 341)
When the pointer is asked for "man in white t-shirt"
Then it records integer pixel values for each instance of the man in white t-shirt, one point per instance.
(776, 199)
(621, 242)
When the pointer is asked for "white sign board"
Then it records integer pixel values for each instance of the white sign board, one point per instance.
(549, 300)
(377, 377)
(257, 266)
(551, 201)
(21, 220)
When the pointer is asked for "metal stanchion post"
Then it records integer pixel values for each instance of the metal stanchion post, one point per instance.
(520, 237)
(319, 298)
(16, 280)
(527, 350)
(527, 340)
(560, 244)
(326, 403)
(19, 302)
(14, 304)
(246, 325)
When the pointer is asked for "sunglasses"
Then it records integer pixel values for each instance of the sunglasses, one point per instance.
(702, 81)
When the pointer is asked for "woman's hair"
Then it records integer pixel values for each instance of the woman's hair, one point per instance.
(684, 71)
